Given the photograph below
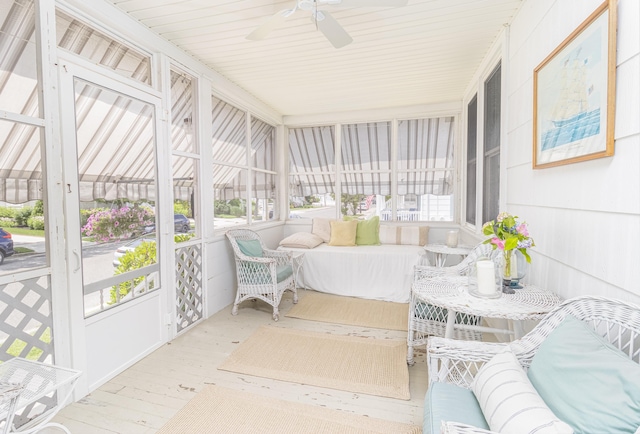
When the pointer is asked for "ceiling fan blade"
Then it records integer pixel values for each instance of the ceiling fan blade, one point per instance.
(265, 28)
(331, 29)
(371, 3)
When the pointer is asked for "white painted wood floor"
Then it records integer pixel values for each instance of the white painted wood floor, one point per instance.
(145, 396)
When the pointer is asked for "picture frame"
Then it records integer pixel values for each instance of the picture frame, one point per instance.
(574, 94)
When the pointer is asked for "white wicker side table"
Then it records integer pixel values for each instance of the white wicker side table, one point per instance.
(463, 310)
(441, 251)
(37, 381)
(298, 264)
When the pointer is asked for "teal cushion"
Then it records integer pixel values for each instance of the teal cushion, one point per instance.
(586, 381)
(250, 247)
(283, 272)
(452, 403)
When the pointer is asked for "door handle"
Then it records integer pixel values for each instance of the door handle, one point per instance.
(78, 260)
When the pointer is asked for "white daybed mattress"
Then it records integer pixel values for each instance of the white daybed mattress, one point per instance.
(382, 272)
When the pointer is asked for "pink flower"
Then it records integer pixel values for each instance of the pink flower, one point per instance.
(522, 229)
(498, 242)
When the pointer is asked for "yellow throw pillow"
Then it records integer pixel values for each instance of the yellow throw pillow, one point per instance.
(343, 233)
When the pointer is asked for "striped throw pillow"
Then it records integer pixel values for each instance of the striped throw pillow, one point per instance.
(509, 401)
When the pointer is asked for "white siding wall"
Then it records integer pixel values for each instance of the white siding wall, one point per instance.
(584, 217)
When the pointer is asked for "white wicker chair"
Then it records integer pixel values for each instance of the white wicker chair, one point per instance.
(258, 276)
(427, 320)
(455, 361)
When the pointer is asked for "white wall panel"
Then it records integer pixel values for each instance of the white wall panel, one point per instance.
(584, 217)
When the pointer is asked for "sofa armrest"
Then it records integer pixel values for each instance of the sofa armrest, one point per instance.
(461, 428)
(457, 361)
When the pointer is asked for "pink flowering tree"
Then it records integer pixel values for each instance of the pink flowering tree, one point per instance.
(115, 224)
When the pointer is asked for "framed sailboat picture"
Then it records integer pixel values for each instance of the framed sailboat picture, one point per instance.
(574, 94)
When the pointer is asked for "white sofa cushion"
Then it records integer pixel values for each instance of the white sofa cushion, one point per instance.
(509, 401)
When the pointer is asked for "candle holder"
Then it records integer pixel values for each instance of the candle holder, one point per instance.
(452, 239)
(484, 279)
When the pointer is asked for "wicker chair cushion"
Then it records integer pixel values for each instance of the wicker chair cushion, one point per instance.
(445, 401)
(250, 247)
(260, 274)
(586, 381)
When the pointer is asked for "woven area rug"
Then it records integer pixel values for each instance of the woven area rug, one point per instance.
(220, 410)
(316, 306)
(355, 364)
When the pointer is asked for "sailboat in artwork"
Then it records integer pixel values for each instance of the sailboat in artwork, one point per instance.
(572, 118)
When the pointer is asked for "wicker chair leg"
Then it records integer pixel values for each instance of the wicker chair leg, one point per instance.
(234, 311)
(276, 314)
(295, 296)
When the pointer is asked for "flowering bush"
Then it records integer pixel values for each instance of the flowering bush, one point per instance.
(106, 225)
(508, 234)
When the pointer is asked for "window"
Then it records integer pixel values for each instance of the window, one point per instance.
(185, 160)
(422, 170)
(365, 168)
(491, 154)
(472, 143)
(244, 173)
(425, 169)
(483, 151)
(312, 172)
(81, 39)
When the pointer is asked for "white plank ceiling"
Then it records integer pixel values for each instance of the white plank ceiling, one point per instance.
(422, 53)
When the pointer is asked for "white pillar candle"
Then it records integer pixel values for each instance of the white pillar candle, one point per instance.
(452, 238)
(486, 277)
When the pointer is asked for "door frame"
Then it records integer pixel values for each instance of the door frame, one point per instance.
(71, 67)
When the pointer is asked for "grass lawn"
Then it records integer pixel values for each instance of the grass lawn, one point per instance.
(26, 231)
(22, 250)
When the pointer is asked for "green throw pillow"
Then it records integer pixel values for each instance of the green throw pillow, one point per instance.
(250, 247)
(367, 232)
(587, 382)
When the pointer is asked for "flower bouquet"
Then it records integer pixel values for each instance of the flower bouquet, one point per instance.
(508, 235)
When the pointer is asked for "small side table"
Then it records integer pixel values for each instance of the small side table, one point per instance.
(298, 263)
(441, 251)
(37, 381)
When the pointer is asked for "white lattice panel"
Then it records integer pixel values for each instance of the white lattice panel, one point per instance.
(189, 306)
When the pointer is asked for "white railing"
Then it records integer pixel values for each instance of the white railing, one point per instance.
(402, 216)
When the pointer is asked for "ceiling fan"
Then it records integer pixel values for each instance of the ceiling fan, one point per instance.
(323, 20)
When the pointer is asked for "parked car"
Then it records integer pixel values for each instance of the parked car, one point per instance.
(180, 224)
(6, 245)
(129, 247)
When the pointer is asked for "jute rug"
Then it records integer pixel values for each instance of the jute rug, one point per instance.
(219, 410)
(316, 306)
(355, 364)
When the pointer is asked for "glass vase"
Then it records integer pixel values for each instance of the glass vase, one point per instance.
(506, 266)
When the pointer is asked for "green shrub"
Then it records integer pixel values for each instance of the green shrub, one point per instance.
(182, 207)
(141, 256)
(36, 222)
(7, 222)
(221, 207)
(38, 208)
(236, 211)
(22, 215)
(7, 212)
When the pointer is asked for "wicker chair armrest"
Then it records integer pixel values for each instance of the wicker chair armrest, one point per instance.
(461, 428)
(258, 259)
(457, 361)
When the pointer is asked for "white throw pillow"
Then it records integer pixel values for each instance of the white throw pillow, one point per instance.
(301, 240)
(509, 401)
(322, 228)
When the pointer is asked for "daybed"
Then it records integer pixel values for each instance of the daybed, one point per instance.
(576, 371)
(377, 267)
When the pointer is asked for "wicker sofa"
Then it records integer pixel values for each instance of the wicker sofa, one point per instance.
(584, 368)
